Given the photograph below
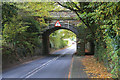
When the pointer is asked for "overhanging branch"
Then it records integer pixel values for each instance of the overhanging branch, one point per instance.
(72, 9)
(76, 11)
(85, 23)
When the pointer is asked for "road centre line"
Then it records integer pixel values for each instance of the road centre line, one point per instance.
(42, 66)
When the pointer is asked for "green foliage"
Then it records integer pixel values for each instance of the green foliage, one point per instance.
(9, 10)
(57, 38)
(106, 18)
(40, 9)
(103, 20)
(22, 24)
(13, 28)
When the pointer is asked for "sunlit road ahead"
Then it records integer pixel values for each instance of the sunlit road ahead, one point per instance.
(56, 66)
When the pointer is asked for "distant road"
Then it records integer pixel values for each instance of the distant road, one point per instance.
(56, 66)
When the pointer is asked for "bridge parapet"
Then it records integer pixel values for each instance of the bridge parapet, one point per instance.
(68, 20)
(64, 25)
(62, 13)
(65, 17)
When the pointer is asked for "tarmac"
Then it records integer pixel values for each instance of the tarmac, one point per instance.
(77, 69)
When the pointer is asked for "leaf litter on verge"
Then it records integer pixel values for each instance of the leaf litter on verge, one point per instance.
(95, 69)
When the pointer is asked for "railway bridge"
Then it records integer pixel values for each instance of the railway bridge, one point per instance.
(68, 20)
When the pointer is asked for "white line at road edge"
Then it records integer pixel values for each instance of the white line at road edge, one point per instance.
(42, 66)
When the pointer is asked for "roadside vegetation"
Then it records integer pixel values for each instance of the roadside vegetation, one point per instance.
(21, 27)
(57, 39)
(22, 23)
(103, 21)
(94, 68)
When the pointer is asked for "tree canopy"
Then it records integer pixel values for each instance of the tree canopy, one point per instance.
(103, 21)
(23, 22)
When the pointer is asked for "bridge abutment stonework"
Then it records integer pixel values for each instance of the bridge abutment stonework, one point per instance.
(68, 23)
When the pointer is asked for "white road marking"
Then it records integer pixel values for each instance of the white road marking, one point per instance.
(42, 66)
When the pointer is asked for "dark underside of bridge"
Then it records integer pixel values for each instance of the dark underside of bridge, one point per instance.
(46, 43)
(45, 37)
(68, 20)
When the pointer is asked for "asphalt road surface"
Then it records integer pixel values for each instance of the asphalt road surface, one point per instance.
(55, 66)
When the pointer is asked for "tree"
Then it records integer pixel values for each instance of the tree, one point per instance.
(102, 19)
(22, 24)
